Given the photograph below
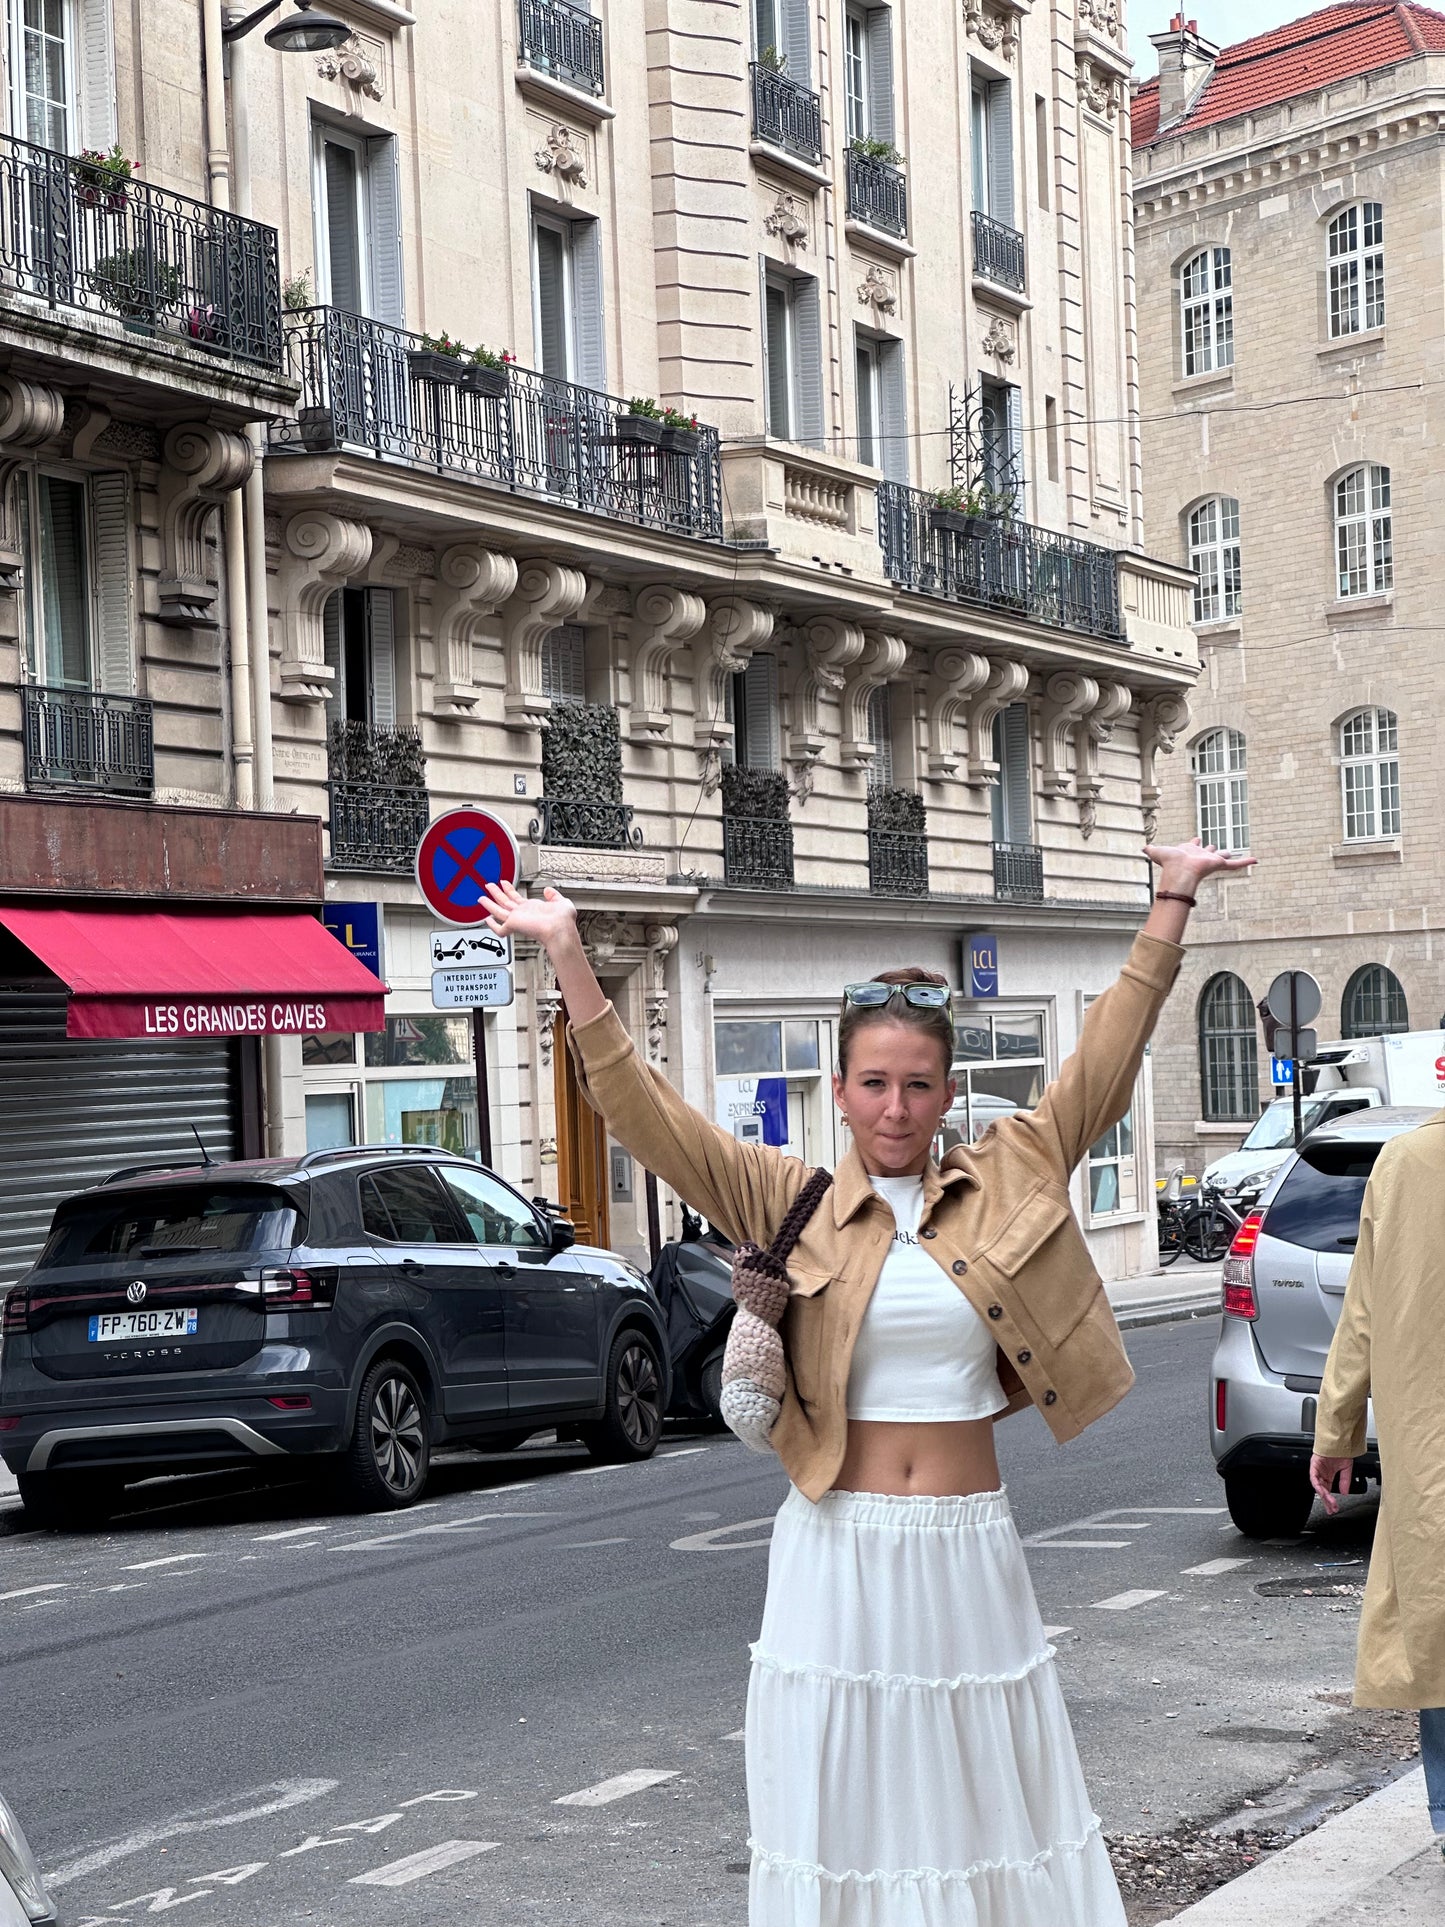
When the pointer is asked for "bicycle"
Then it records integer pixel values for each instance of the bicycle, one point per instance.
(1210, 1223)
(1171, 1218)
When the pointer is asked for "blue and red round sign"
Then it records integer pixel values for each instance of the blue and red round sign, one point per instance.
(458, 856)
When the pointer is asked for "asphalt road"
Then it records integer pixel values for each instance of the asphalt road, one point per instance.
(522, 1703)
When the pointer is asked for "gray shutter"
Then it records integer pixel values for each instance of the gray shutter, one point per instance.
(97, 75)
(343, 247)
(880, 73)
(335, 659)
(1015, 423)
(1001, 153)
(383, 211)
(1015, 774)
(564, 678)
(587, 331)
(807, 397)
(893, 394)
(111, 588)
(381, 655)
(797, 42)
(880, 734)
(760, 712)
(551, 303)
(773, 307)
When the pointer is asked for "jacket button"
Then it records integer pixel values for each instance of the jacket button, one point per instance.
(1025, 1356)
(960, 1266)
(1051, 1398)
(995, 1311)
(929, 1231)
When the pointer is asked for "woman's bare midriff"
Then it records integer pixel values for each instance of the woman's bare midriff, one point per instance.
(940, 1459)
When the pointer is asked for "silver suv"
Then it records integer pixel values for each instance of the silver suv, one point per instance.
(1284, 1282)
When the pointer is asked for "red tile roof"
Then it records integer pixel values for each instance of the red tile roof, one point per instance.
(1353, 38)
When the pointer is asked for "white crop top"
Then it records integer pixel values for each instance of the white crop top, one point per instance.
(923, 1352)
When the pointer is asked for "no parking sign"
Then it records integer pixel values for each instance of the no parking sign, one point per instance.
(458, 856)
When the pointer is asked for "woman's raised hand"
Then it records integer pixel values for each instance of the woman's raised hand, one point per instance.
(547, 920)
(1183, 865)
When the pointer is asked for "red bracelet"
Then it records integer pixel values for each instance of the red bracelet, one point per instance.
(1174, 896)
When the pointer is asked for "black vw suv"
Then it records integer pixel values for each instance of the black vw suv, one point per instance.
(365, 1304)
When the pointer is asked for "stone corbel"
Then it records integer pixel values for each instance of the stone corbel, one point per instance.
(472, 583)
(879, 661)
(1068, 698)
(664, 619)
(547, 593)
(201, 466)
(30, 415)
(661, 941)
(829, 647)
(320, 554)
(736, 629)
(1007, 683)
(954, 676)
(1161, 723)
(1115, 702)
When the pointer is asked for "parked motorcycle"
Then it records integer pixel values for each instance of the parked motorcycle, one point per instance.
(23, 1899)
(694, 1286)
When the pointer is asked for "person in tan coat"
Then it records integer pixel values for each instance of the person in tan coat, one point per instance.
(1389, 1347)
(909, 1755)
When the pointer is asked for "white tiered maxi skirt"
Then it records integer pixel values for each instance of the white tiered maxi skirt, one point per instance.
(910, 1758)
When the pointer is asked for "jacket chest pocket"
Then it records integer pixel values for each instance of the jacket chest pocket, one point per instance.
(802, 1327)
(1040, 1251)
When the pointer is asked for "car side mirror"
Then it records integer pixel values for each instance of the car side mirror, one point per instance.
(561, 1234)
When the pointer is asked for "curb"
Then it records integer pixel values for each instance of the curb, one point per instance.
(1204, 1304)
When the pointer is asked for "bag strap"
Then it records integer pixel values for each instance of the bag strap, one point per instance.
(799, 1212)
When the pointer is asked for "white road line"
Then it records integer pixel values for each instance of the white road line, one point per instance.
(719, 1538)
(171, 1559)
(292, 1532)
(586, 1545)
(685, 1452)
(1077, 1545)
(616, 1788)
(591, 1471)
(24, 1592)
(1114, 1525)
(1213, 1567)
(416, 1866)
(740, 1734)
(1056, 1632)
(433, 1528)
(285, 1794)
(1121, 1602)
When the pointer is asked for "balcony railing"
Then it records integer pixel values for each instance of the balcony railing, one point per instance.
(583, 823)
(564, 41)
(158, 263)
(379, 803)
(877, 193)
(786, 115)
(78, 739)
(1055, 579)
(897, 863)
(1018, 872)
(757, 852)
(998, 252)
(365, 386)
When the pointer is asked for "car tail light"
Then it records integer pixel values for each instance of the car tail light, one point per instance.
(10, 1424)
(291, 1289)
(1238, 1271)
(290, 1402)
(15, 1318)
(1221, 1402)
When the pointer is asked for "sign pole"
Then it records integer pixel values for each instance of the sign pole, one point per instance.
(1294, 1035)
(484, 1092)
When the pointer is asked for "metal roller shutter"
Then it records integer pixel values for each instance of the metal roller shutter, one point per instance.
(71, 1112)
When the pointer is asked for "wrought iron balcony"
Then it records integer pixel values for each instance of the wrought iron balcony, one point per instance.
(379, 803)
(366, 388)
(998, 252)
(877, 192)
(1059, 580)
(73, 236)
(1018, 872)
(562, 40)
(583, 823)
(897, 842)
(757, 852)
(78, 739)
(581, 801)
(786, 115)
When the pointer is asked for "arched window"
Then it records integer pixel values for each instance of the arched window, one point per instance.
(1228, 1051)
(1374, 1003)
(1221, 789)
(1370, 773)
(1207, 311)
(1364, 531)
(1356, 253)
(1214, 558)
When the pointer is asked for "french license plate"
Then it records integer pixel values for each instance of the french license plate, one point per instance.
(174, 1321)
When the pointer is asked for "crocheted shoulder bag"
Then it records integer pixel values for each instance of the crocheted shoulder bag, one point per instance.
(754, 1375)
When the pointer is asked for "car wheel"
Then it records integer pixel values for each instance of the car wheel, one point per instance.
(631, 1423)
(390, 1451)
(1269, 1504)
(69, 1501)
(1171, 1240)
(709, 1388)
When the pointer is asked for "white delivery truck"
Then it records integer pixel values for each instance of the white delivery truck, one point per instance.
(1408, 1068)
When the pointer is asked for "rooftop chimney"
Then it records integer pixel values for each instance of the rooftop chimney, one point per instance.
(1186, 60)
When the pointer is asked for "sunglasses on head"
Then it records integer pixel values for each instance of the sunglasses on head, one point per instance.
(874, 996)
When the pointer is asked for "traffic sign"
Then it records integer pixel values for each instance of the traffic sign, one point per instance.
(1307, 999)
(1281, 1070)
(457, 857)
(469, 949)
(489, 989)
(1300, 1046)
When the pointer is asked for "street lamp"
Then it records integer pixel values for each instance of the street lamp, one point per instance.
(303, 32)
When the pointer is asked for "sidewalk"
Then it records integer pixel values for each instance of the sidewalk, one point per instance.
(1377, 1861)
(1185, 1290)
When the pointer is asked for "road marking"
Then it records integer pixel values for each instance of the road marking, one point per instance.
(434, 1527)
(685, 1452)
(709, 1541)
(24, 1592)
(1120, 1518)
(617, 1788)
(1121, 1602)
(1056, 1632)
(1077, 1545)
(740, 1734)
(591, 1471)
(287, 1794)
(586, 1545)
(1213, 1567)
(171, 1559)
(292, 1532)
(417, 1866)
(1115, 1525)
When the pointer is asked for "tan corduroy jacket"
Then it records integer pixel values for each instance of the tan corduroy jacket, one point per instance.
(996, 1217)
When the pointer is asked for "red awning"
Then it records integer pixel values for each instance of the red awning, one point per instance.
(198, 973)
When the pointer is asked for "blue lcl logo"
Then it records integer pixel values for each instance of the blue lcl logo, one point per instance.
(982, 966)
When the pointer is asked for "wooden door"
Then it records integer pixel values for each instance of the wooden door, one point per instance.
(581, 1150)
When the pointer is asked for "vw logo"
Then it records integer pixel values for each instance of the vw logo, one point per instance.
(136, 1292)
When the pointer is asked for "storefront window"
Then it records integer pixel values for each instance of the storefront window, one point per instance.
(423, 1110)
(419, 1040)
(330, 1120)
(325, 1048)
(998, 1059)
(769, 1083)
(761, 1045)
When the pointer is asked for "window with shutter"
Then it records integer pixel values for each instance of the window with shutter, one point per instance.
(110, 524)
(880, 734)
(63, 588)
(585, 247)
(869, 401)
(1012, 797)
(797, 46)
(753, 712)
(855, 72)
(777, 358)
(564, 676)
(97, 74)
(383, 216)
(42, 62)
(380, 617)
(551, 299)
(331, 625)
(340, 239)
(893, 412)
(807, 397)
(1001, 153)
(880, 73)
(766, 33)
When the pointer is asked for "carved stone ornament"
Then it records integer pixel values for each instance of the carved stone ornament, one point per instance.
(133, 441)
(202, 465)
(735, 629)
(1098, 88)
(881, 659)
(664, 619)
(827, 649)
(548, 593)
(320, 553)
(661, 941)
(564, 155)
(1161, 723)
(409, 560)
(30, 414)
(358, 63)
(1008, 682)
(1103, 17)
(1001, 341)
(955, 675)
(994, 28)
(472, 583)
(878, 291)
(787, 220)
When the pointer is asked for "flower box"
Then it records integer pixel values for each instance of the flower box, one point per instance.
(682, 441)
(425, 364)
(956, 522)
(641, 429)
(483, 380)
(318, 429)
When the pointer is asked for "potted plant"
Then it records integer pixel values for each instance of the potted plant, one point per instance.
(680, 433)
(296, 294)
(771, 61)
(869, 149)
(439, 358)
(137, 284)
(318, 430)
(958, 511)
(101, 179)
(645, 422)
(486, 373)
